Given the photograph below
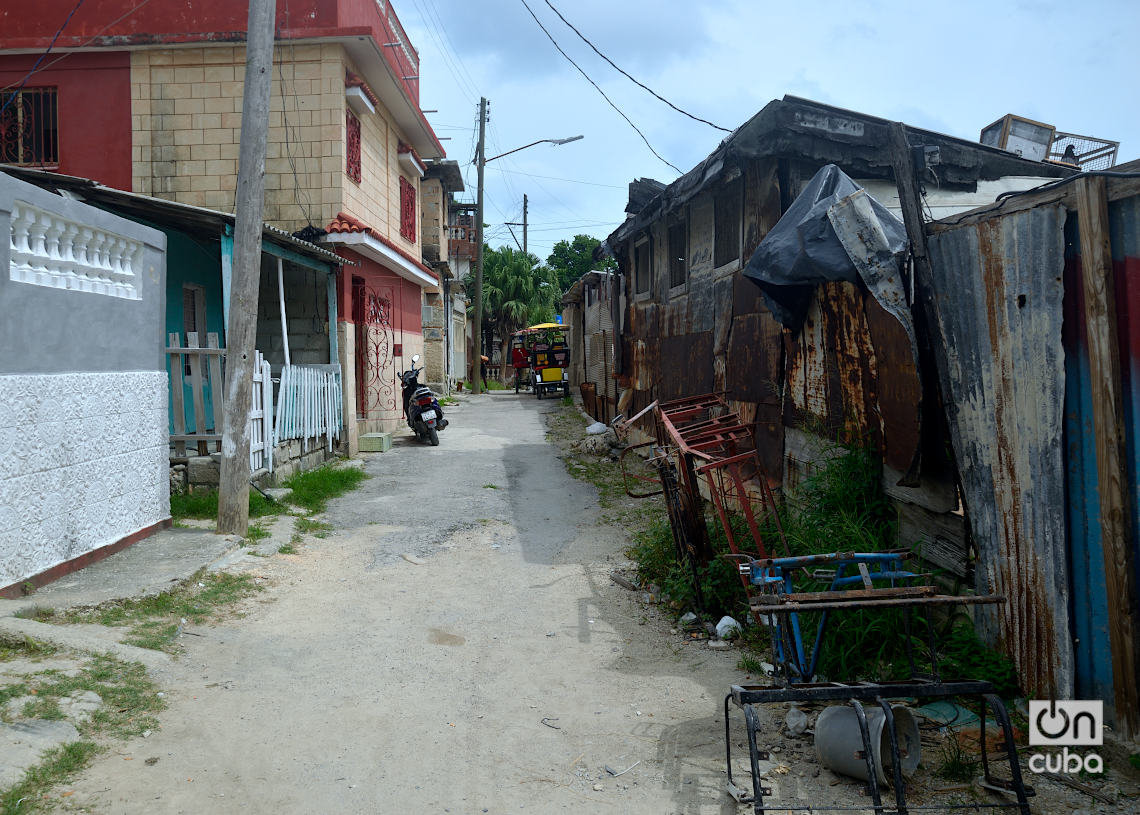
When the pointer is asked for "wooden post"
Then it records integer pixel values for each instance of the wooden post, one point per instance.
(241, 333)
(477, 333)
(1108, 416)
(284, 322)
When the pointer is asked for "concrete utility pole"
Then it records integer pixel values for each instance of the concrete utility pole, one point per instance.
(241, 333)
(481, 163)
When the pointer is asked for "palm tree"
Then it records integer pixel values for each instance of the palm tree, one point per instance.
(517, 291)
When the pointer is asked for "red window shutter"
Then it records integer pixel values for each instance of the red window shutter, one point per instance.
(407, 210)
(352, 147)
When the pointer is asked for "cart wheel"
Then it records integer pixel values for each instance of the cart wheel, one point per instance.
(538, 390)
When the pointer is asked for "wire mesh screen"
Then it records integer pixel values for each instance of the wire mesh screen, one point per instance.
(1085, 151)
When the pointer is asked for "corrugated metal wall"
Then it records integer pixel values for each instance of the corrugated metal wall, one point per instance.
(998, 306)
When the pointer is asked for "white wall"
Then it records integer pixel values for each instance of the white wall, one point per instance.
(83, 464)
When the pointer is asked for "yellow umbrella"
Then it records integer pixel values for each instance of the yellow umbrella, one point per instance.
(545, 325)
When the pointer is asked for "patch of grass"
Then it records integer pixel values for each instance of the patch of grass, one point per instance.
(23, 647)
(447, 401)
(154, 620)
(58, 766)
(490, 486)
(312, 489)
(955, 762)
(567, 401)
(287, 549)
(130, 703)
(495, 385)
(37, 613)
(203, 504)
(256, 532)
(751, 664)
(311, 526)
(42, 707)
(656, 556)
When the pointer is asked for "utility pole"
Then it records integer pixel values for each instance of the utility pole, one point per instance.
(481, 163)
(241, 333)
(524, 223)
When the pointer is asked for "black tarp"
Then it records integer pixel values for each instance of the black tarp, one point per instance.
(804, 249)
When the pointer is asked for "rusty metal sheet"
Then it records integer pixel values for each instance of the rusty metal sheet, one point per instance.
(897, 387)
(688, 365)
(998, 315)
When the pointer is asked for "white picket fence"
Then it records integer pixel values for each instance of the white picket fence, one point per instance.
(261, 416)
(309, 405)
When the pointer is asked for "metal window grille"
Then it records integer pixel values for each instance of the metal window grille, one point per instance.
(352, 146)
(29, 127)
(407, 210)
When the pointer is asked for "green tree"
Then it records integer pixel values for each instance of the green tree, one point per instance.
(517, 291)
(572, 259)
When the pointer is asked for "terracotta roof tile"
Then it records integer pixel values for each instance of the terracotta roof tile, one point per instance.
(346, 223)
(352, 80)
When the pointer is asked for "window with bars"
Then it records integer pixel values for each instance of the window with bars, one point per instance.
(352, 146)
(29, 127)
(407, 210)
(726, 226)
(678, 253)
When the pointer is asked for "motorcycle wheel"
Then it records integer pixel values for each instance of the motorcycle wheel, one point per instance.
(433, 437)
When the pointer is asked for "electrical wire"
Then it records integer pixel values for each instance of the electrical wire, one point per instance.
(86, 42)
(298, 192)
(12, 96)
(630, 78)
(597, 88)
(569, 180)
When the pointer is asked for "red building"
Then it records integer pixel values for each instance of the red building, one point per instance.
(148, 99)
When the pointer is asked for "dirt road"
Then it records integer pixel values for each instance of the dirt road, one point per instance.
(495, 668)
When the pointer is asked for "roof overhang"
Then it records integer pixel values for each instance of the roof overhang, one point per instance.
(374, 249)
(359, 102)
(378, 73)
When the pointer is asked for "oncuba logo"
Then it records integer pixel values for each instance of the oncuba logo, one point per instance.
(1066, 724)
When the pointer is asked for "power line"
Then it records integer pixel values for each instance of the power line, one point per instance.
(88, 41)
(42, 57)
(598, 89)
(570, 180)
(627, 76)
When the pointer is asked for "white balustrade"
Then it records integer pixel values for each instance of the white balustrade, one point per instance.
(49, 250)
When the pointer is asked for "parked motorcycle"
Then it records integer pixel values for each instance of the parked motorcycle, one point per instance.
(425, 416)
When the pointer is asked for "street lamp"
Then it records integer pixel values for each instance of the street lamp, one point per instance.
(477, 380)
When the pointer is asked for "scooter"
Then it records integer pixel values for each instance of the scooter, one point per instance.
(425, 416)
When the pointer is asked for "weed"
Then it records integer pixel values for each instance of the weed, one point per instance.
(495, 385)
(312, 489)
(203, 504)
(23, 646)
(750, 664)
(957, 763)
(256, 532)
(447, 401)
(287, 549)
(567, 401)
(154, 620)
(38, 613)
(58, 765)
(130, 702)
(490, 486)
(312, 526)
(27, 587)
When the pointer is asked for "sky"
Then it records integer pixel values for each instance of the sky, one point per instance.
(952, 68)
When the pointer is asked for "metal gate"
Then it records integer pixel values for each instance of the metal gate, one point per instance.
(379, 332)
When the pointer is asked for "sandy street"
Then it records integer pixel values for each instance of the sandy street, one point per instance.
(363, 681)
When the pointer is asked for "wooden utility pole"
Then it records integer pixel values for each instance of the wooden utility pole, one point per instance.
(481, 163)
(241, 333)
(524, 223)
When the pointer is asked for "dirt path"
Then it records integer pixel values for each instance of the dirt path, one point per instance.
(364, 681)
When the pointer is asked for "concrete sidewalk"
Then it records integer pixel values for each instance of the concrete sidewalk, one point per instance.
(148, 567)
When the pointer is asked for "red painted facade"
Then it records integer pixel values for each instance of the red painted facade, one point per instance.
(94, 109)
(178, 21)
